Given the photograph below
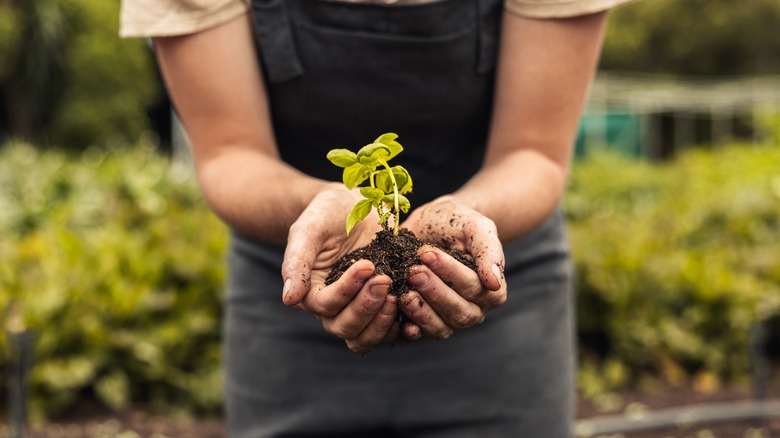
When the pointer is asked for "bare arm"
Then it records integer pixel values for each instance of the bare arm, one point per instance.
(544, 71)
(216, 85)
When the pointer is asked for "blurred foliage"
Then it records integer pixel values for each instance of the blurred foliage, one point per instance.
(32, 63)
(675, 261)
(10, 31)
(67, 79)
(110, 82)
(116, 264)
(694, 37)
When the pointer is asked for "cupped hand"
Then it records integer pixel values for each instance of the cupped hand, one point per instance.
(446, 295)
(357, 307)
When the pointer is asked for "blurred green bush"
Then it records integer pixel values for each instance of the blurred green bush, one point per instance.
(694, 37)
(67, 79)
(117, 265)
(675, 262)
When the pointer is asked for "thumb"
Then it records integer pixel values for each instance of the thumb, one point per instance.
(299, 256)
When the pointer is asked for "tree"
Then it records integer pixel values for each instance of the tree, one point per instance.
(33, 35)
(694, 37)
(66, 78)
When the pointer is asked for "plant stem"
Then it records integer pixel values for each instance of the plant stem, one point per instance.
(396, 210)
(379, 208)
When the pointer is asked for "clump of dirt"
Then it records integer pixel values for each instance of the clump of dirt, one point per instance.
(393, 256)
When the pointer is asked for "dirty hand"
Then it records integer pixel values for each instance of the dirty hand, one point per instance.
(447, 295)
(355, 308)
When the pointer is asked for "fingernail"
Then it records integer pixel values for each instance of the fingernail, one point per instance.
(379, 291)
(418, 279)
(429, 258)
(286, 289)
(364, 274)
(498, 273)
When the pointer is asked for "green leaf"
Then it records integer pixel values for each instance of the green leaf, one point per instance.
(342, 157)
(388, 140)
(358, 213)
(383, 181)
(114, 389)
(403, 179)
(372, 194)
(370, 154)
(403, 202)
(354, 175)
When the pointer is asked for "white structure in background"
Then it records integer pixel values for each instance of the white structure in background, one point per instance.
(669, 114)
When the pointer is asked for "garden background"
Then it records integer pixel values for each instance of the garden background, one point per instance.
(111, 265)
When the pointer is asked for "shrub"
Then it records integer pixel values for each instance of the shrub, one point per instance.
(658, 37)
(675, 263)
(116, 265)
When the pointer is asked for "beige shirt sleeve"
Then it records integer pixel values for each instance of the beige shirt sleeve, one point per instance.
(150, 18)
(559, 8)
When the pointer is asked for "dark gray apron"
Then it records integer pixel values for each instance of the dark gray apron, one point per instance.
(338, 75)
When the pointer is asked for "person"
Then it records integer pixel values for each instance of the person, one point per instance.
(486, 99)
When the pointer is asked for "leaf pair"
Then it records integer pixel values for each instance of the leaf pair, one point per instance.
(386, 186)
(359, 166)
(383, 202)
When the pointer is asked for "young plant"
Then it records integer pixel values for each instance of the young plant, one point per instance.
(386, 185)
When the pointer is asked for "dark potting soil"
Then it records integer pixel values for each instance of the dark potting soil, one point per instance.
(393, 256)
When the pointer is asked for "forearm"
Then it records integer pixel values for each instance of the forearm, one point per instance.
(245, 189)
(517, 193)
(216, 85)
(545, 67)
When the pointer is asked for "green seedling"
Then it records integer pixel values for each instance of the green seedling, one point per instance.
(387, 185)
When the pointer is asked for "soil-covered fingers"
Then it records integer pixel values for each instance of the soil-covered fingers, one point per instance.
(425, 317)
(330, 300)
(488, 253)
(411, 331)
(381, 329)
(453, 309)
(452, 272)
(356, 315)
(464, 280)
(296, 269)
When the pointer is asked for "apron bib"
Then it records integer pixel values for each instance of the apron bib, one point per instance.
(339, 74)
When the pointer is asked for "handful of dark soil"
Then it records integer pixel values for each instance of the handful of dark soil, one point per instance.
(393, 256)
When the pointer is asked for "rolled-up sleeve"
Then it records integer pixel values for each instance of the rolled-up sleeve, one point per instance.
(560, 8)
(150, 18)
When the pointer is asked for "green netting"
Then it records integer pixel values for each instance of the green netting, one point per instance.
(611, 129)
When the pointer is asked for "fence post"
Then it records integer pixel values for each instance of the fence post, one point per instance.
(22, 346)
(759, 368)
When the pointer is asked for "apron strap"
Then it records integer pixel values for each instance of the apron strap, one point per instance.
(275, 40)
(488, 30)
